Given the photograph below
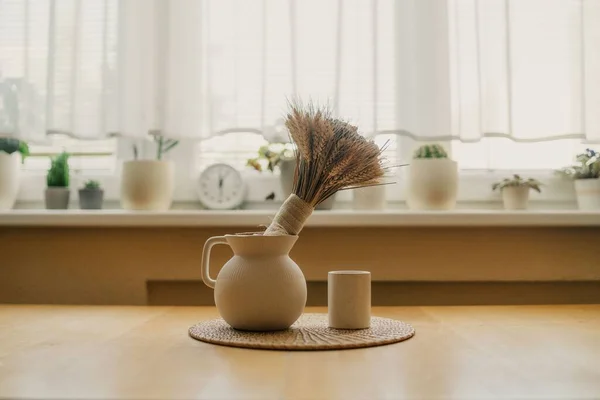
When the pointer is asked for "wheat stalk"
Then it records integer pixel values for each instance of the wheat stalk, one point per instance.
(330, 156)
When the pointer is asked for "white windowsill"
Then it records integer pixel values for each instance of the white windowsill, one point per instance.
(336, 218)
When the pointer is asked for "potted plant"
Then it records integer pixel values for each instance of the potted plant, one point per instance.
(12, 155)
(586, 176)
(149, 184)
(273, 156)
(432, 180)
(281, 155)
(91, 196)
(515, 191)
(57, 193)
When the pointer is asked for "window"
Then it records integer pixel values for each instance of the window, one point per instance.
(94, 156)
(231, 148)
(390, 154)
(447, 69)
(525, 69)
(505, 154)
(219, 72)
(236, 148)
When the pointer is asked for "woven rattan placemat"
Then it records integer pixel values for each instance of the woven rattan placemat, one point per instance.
(310, 332)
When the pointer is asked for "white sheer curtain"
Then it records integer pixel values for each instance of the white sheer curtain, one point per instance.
(229, 65)
(432, 69)
(525, 69)
(190, 68)
(58, 67)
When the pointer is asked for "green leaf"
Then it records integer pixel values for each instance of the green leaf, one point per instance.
(91, 185)
(517, 181)
(58, 174)
(262, 151)
(9, 145)
(24, 150)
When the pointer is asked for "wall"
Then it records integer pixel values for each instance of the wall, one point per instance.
(124, 265)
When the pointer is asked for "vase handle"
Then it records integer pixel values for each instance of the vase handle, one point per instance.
(208, 281)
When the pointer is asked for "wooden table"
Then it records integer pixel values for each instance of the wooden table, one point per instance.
(517, 352)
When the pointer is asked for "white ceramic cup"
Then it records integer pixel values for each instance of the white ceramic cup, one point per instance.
(349, 299)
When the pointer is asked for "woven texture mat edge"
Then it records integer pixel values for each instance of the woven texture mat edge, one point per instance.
(310, 332)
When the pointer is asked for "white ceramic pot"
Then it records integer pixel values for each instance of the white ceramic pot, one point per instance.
(287, 169)
(10, 169)
(588, 194)
(515, 197)
(369, 198)
(260, 288)
(147, 185)
(432, 184)
(349, 299)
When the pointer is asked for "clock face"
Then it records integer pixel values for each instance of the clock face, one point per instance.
(220, 187)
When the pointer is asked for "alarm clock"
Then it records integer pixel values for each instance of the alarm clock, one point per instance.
(221, 187)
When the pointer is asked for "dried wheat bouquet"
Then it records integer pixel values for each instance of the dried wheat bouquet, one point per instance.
(330, 155)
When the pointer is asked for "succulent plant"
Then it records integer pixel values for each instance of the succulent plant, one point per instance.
(91, 185)
(58, 174)
(517, 181)
(588, 167)
(430, 151)
(9, 146)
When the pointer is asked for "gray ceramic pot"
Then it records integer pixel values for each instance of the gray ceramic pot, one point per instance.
(91, 199)
(287, 168)
(57, 198)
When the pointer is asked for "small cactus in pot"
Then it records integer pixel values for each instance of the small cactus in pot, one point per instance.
(430, 151)
(91, 195)
(515, 191)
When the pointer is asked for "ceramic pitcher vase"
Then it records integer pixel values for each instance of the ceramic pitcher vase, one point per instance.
(260, 288)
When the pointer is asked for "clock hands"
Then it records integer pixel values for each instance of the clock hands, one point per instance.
(220, 189)
(221, 178)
